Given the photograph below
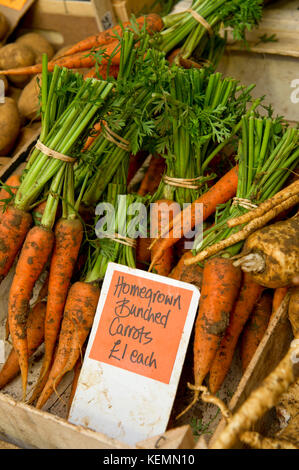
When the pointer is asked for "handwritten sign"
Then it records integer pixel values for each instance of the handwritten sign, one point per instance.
(135, 354)
(15, 4)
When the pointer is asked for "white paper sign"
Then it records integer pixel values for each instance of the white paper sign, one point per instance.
(135, 354)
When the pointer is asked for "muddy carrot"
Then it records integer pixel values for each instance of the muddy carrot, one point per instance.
(68, 238)
(204, 206)
(255, 328)
(191, 274)
(13, 182)
(14, 226)
(220, 288)
(162, 212)
(35, 336)
(33, 258)
(77, 320)
(77, 370)
(249, 294)
(153, 176)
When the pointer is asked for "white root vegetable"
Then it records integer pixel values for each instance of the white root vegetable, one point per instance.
(271, 254)
(265, 397)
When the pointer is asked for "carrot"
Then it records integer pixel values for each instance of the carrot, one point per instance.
(68, 238)
(255, 328)
(192, 274)
(38, 212)
(220, 287)
(77, 320)
(35, 336)
(143, 254)
(33, 258)
(13, 182)
(102, 72)
(249, 294)
(279, 295)
(77, 370)
(94, 134)
(14, 225)
(153, 176)
(76, 61)
(204, 206)
(152, 21)
(161, 215)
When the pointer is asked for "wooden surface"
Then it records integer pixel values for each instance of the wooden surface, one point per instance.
(179, 438)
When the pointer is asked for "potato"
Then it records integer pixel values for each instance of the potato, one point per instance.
(9, 125)
(13, 56)
(38, 44)
(28, 103)
(3, 26)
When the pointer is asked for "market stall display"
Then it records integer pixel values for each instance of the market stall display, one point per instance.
(123, 123)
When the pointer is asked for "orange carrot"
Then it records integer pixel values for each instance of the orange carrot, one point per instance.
(161, 215)
(33, 258)
(94, 134)
(204, 206)
(249, 294)
(77, 320)
(13, 182)
(35, 336)
(14, 225)
(153, 176)
(77, 370)
(152, 21)
(38, 212)
(255, 328)
(143, 253)
(183, 273)
(220, 288)
(76, 61)
(101, 72)
(68, 238)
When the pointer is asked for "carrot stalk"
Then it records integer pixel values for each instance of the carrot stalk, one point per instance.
(77, 320)
(249, 294)
(220, 287)
(255, 328)
(35, 336)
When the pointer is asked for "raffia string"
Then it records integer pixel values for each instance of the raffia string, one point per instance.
(52, 153)
(188, 183)
(115, 138)
(202, 21)
(121, 239)
(246, 203)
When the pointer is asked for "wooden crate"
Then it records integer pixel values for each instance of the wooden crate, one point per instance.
(272, 66)
(66, 22)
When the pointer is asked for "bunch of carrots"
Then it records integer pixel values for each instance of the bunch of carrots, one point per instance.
(91, 130)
